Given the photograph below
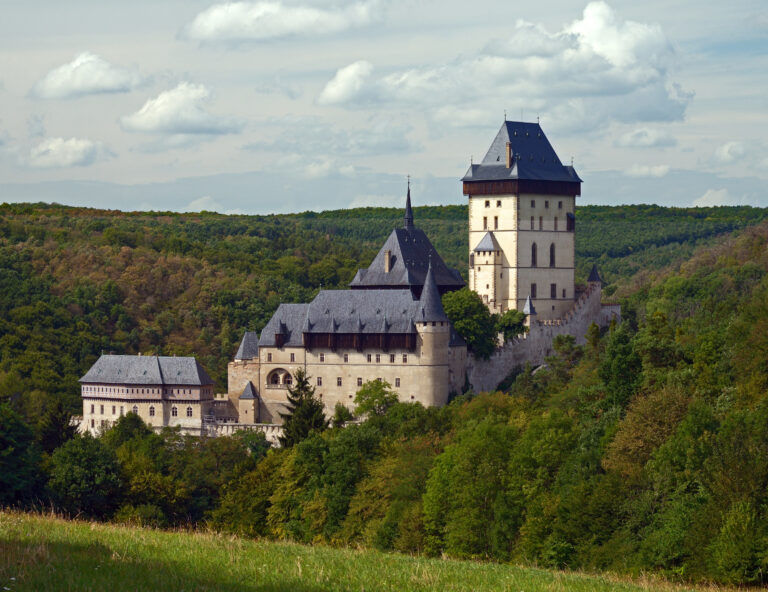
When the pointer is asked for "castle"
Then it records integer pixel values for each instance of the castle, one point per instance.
(390, 323)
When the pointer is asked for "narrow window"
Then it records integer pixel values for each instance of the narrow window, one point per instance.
(546, 204)
(563, 292)
(92, 408)
(533, 255)
(338, 381)
(495, 222)
(553, 291)
(369, 358)
(101, 409)
(293, 357)
(533, 223)
(533, 203)
(498, 203)
(533, 290)
(346, 358)
(485, 223)
(322, 357)
(319, 381)
(93, 423)
(397, 382)
(114, 410)
(559, 205)
(541, 223)
(151, 411)
(552, 255)
(189, 411)
(405, 358)
(555, 222)
(269, 357)
(391, 358)
(359, 381)
(378, 358)
(487, 203)
(174, 411)
(135, 409)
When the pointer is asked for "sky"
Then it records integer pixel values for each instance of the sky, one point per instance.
(283, 106)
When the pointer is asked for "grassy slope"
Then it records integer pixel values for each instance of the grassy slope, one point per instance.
(42, 553)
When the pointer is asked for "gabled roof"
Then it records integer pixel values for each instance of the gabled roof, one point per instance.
(249, 346)
(430, 305)
(112, 369)
(487, 243)
(249, 392)
(533, 157)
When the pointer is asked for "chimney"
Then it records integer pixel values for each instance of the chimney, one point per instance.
(387, 260)
(509, 155)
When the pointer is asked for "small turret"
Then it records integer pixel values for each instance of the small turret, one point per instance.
(529, 311)
(408, 219)
(430, 304)
(594, 276)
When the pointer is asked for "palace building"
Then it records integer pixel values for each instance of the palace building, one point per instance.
(522, 223)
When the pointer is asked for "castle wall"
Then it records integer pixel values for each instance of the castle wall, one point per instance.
(534, 346)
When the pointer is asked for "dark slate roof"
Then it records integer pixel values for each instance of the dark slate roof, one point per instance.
(488, 243)
(529, 308)
(430, 305)
(289, 318)
(410, 252)
(408, 218)
(249, 346)
(533, 157)
(594, 275)
(111, 369)
(249, 392)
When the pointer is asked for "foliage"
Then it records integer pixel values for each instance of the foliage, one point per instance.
(511, 324)
(374, 398)
(19, 459)
(306, 413)
(472, 320)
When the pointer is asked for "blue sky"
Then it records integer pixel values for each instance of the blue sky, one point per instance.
(275, 106)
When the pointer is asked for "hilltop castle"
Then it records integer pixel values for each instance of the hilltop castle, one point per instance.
(390, 323)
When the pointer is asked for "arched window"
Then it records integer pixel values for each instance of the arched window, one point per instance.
(174, 411)
(135, 409)
(151, 411)
(552, 255)
(287, 379)
(189, 411)
(275, 379)
(533, 255)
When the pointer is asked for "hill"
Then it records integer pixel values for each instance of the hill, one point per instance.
(85, 556)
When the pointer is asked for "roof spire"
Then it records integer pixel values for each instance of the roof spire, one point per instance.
(430, 304)
(408, 210)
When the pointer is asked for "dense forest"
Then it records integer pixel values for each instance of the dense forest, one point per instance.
(645, 449)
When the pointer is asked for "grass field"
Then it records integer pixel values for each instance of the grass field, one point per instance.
(43, 553)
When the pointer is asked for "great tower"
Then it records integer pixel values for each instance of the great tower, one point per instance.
(522, 223)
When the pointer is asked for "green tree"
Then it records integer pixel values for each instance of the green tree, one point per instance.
(472, 320)
(306, 413)
(19, 458)
(85, 477)
(341, 415)
(511, 324)
(621, 368)
(374, 398)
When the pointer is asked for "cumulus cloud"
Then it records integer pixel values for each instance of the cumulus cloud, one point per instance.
(238, 22)
(208, 204)
(639, 170)
(595, 70)
(180, 111)
(59, 153)
(645, 138)
(718, 197)
(730, 152)
(87, 74)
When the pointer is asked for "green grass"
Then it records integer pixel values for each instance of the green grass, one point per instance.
(43, 553)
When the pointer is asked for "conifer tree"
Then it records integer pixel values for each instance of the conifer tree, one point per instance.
(305, 411)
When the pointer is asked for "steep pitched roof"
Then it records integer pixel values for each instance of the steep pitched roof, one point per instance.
(112, 369)
(430, 305)
(487, 243)
(249, 346)
(528, 308)
(533, 157)
(249, 392)
(594, 275)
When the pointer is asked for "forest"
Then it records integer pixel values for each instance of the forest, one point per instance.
(644, 449)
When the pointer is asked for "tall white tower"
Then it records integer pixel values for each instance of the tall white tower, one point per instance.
(521, 223)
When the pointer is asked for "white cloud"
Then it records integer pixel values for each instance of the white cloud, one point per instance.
(58, 152)
(593, 71)
(327, 167)
(717, 197)
(730, 152)
(347, 85)
(639, 170)
(645, 138)
(87, 74)
(208, 204)
(237, 22)
(180, 111)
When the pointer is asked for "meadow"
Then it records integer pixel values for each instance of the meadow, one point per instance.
(43, 553)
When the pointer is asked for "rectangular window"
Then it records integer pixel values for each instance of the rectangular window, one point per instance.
(359, 381)
(495, 222)
(555, 222)
(533, 223)
(405, 358)
(546, 204)
(397, 382)
(378, 358)
(346, 358)
(559, 205)
(533, 290)
(369, 358)
(553, 290)
(533, 203)
(541, 223)
(322, 357)
(487, 203)
(563, 292)
(498, 203)
(391, 358)
(293, 357)
(319, 381)
(92, 409)
(485, 223)
(93, 423)
(269, 357)
(101, 409)
(338, 381)
(114, 410)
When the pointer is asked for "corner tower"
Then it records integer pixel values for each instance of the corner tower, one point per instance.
(522, 222)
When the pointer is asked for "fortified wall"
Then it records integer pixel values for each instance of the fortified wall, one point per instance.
(533, 347)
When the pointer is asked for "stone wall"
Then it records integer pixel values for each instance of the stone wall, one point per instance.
(271, 431)
(534, 346)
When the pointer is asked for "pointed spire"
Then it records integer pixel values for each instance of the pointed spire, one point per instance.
(594, 276)
(430, 304)
(529, 309)
(408, 210)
